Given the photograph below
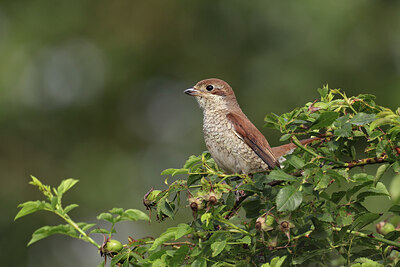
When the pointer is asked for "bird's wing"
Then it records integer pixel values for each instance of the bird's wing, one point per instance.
(253, 138)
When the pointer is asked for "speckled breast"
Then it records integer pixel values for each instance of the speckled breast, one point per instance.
(231, 153)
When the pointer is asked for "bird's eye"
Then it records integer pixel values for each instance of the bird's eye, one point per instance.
(209, 87)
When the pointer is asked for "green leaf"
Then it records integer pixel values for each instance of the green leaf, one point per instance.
(362, 177)
(395, 209)
(105, 216)
(217, 247)
(362, 119)
(85, 226)
(199, 262)
(309, 255)
(323, 91)
(179, 256)
(343, 131)
(324, 120)
(281, 175)
(164, 237)
(70, 207)
(101, 231)
(193, 178)
(182, 229)
(65, 186)
(193, 160)
(325, 217)
(365, 262)
(288, 199)
(337, 196)
(295, 161)
(173, 172)
(379, 122)
(165, 207)
(277, 261)
(29, 207)
(134, 215)
(117, 211)
(245, 240)
(47, 231)
(364, 219)
(285, 137)
(357, 188)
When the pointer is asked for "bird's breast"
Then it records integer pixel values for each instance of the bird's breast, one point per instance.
(231, 153)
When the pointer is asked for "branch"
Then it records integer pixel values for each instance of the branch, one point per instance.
(379, 239)
(363, 162)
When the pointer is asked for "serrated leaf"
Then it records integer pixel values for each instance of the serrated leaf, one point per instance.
(324, 120)
(285, 137)
(362, 119)
(281, 175)
(65, 186)
(173, 172)
(136, 215)
(295, 161)
(217, 247)
(117, 211)
(343, 131)
(199, 262)
(70, 207)
(337, 196)
(192, 161)
(245, 240)
(47, 231)
(165, 207)
(277, 261)
(357, 188)
(164, 237)
(100, 231)
(323, 91)
(105, 216)
(117, 258)
(29, 207)
(364, 219)
(325, 217)
(193, 178)
(379, 122)
(85, 226)
(288, 199)
(182, 229)
(362, 177)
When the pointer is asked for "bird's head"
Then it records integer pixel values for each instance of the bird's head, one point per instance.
(214, 94)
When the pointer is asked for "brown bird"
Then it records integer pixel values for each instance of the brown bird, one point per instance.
(235, 144)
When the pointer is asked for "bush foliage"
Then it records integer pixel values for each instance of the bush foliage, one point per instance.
(309, 211)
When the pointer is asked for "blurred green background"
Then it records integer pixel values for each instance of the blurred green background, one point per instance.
(94, 90)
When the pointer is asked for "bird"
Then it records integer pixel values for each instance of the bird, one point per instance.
(234, 143)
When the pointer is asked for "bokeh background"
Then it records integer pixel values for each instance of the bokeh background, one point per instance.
(94, 90)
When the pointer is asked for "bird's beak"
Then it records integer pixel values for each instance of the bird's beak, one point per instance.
(192, 92)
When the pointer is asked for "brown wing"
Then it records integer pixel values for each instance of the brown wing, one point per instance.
(253, 138)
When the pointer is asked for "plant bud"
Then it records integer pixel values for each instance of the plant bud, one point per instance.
(385, 227)
(265, 223)
(195, 204)
(212, 198)
(285, 225)
(150, 197)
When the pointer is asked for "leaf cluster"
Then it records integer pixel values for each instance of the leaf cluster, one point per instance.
(311, 210)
